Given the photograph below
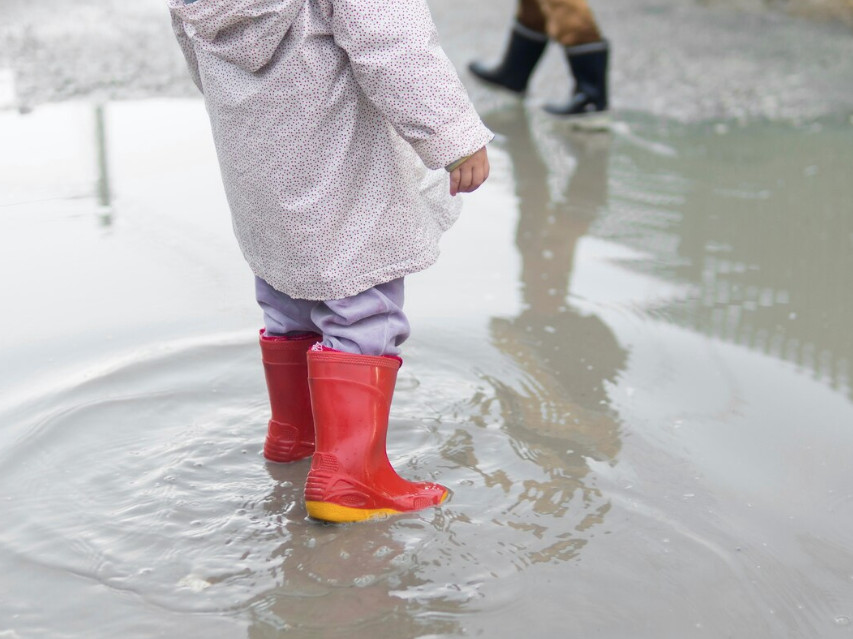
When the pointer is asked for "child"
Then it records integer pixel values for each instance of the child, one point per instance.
(324, 113)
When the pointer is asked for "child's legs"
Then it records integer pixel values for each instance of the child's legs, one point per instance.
(283, 315)
(369, 323)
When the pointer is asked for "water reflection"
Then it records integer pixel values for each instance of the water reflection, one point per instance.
(340, 580)
(758, 222)
(554, 402)
(105, 200)
(137, 488)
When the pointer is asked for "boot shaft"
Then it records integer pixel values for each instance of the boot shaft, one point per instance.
(286, 373)
(290, 433)
(351, 401)
(523, 52)
(589, 63)
(351, 478)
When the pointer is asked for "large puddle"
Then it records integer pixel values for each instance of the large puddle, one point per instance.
(631, 366)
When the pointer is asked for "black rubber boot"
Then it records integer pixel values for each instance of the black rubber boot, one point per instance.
(588, 63)
(523, 52)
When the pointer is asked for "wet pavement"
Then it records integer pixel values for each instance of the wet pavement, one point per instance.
(639, 392)
(672, 58)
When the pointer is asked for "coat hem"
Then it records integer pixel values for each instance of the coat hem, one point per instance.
(324, 290)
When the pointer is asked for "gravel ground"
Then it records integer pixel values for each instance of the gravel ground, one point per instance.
(826, 10)
(672, 58)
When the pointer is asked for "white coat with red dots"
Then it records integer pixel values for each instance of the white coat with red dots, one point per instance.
(332, 121)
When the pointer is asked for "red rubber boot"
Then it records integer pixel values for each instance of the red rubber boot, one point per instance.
(291, 430)
(351, 478)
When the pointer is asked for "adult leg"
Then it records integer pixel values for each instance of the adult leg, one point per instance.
(527, 42)
(571, 23)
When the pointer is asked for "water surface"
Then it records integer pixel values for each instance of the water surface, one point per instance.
(631, 366)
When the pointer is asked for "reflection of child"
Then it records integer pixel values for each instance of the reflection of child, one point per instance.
(324, 113)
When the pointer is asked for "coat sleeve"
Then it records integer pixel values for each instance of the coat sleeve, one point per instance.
(394, 53)
(187, 49)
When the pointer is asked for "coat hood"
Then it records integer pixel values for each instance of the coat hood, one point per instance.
(242, 32)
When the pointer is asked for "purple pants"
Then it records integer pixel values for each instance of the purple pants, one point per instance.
(370, 323)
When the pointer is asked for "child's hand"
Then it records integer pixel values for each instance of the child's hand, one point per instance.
(469, 175)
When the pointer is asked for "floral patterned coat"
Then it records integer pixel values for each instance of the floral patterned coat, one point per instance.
(332, 120)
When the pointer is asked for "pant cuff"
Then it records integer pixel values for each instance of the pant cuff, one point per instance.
(529, 33)
(589, 47)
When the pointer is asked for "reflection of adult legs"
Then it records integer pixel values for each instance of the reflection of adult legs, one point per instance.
(572, 25)
(562, 356)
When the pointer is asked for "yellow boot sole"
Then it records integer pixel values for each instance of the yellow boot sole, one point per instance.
(338, 514)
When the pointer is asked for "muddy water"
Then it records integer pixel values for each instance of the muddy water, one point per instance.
(631, 366)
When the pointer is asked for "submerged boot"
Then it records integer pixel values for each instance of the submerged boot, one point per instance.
(291, 430)
(588, 64)
(351, 478)
(523, 52)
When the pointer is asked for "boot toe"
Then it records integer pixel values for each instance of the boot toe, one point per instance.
(427, 495)
(343, 500)
(482, 71)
